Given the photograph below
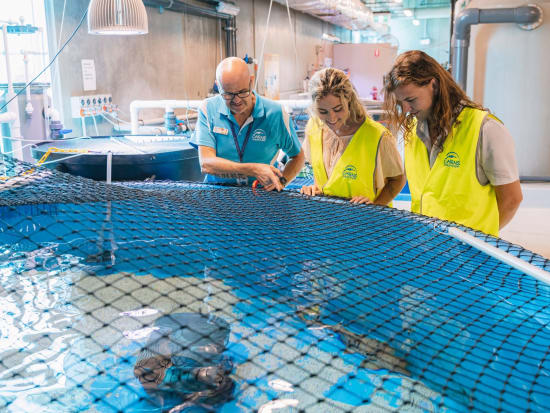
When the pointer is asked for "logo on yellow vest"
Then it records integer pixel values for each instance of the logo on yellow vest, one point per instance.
(452, 160)
(350, 172)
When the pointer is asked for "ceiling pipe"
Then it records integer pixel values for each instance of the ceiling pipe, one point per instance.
(188, 8)
(528, 17)
(203, 11)
(349, 14)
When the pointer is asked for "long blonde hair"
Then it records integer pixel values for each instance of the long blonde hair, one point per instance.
(331, 81)
(418, 68)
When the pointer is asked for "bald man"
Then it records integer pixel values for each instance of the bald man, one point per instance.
(240, 134)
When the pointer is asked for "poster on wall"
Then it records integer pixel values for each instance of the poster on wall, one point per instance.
(271, 75)
(88, 75)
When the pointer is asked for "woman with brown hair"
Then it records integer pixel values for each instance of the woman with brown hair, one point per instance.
(352, 156)
(459, 159)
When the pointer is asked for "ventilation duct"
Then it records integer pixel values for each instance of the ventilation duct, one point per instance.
(350, 14)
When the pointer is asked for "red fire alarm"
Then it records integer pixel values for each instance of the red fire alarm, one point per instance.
(376, 52)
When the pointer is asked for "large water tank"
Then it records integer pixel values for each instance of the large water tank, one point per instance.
(509, 73)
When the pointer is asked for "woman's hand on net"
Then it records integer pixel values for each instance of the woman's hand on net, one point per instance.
(311, 190)
(360, 200)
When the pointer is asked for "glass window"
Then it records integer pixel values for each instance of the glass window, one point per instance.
(26, 24)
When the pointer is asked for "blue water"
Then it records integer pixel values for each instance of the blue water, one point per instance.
(71, 274)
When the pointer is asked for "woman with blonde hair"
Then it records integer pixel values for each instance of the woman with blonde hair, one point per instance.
(352, 156)
(459, 159)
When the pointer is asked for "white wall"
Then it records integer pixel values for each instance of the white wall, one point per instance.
(508, 72)
(367, 64)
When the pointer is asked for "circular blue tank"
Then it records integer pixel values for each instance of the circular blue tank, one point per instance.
(133, 157)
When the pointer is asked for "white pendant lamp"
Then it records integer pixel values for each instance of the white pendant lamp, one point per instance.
(117, 17)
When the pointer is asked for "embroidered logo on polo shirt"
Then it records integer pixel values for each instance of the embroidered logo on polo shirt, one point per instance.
(452, 160)
(350, 172)
(259, 135)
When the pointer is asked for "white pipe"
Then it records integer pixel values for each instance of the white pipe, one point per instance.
(46, 106)
(109, 166)
(53, 45)
(95, 125)
(145, 130)
(7, 117)
(28, 107)
(13, 106)
(167, 105)
(290, 104)
(170, 105)
(501, 255)
(152, 121)
(160, 121)
(369, 102)
(373, 112)
(83, 123)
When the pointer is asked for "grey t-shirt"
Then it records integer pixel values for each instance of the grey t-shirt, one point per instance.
(495, 156)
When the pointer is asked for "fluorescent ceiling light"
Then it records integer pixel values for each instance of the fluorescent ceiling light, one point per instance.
(117, 17)
(408, 12)
(416, 22)
(398, 1)
(228, 8)
(425, 41)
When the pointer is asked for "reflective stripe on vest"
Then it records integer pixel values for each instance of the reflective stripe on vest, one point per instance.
(450, 190)
(353, 174)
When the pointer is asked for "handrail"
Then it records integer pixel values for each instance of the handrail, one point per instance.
(501, 255)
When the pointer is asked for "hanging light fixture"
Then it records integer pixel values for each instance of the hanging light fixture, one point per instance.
(117, 17)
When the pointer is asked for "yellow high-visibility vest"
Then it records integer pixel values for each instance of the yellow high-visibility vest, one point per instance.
(353, 174)
(450, 190)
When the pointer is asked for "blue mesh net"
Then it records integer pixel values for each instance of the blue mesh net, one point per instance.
(175, 296)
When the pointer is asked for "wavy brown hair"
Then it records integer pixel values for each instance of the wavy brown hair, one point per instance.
(331, 81)
(418, 68)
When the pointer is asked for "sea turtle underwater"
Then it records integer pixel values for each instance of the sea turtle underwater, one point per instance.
(378, 354)
(183, 361)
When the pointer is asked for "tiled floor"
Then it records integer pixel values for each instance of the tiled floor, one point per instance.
(530, 227)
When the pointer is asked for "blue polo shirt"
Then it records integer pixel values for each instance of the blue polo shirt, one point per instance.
(269, 129)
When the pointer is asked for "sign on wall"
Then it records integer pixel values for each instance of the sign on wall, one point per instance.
(88, 75)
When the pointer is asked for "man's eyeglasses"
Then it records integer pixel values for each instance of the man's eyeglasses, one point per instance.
(230, 96)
